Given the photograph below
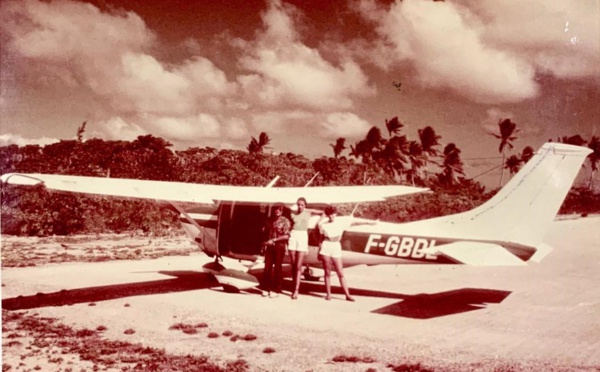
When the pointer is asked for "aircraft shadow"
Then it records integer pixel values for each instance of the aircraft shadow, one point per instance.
(183, 281)
(420, 306)
(427, 306)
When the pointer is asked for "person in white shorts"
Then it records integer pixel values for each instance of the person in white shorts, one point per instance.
(331, 249)
(298, 242)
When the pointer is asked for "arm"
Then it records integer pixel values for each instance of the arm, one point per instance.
(315, 212)
(321, 221)
(280, 238)
(320, 224)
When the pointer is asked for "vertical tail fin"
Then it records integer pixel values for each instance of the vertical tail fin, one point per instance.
(524, 208)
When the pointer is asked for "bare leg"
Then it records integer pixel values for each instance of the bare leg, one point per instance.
(298, 272)
(293, 260)
(339, 269)
(327, 268)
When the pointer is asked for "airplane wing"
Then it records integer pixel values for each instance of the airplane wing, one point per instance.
(208, 194)
(126, 188)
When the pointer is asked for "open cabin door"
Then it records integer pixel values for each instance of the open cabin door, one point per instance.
(241, 229)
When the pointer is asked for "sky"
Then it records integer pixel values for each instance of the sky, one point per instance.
(208, 73)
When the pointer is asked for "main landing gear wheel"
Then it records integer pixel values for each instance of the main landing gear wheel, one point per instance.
(308, 274)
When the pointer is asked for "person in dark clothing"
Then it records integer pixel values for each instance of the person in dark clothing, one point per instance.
(278, 230)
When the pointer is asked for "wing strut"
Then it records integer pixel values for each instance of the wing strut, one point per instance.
(270, 184)
(312, 179)
(193, 222)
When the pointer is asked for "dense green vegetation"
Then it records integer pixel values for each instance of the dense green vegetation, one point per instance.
(373, 160)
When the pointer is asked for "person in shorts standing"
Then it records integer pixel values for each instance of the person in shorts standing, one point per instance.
(298, 243)
(332, 230)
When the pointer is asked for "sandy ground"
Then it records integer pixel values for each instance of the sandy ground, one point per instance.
(540, 317)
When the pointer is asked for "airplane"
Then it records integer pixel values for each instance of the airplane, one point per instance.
(226, 221)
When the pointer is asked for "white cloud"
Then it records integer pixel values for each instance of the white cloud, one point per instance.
(16, 139)
(344, 124)
(446, 48)
(326, 125)
(206, 78)
(259, 91)
(108, 54)
(185, 129)
(281, 121)
(117, 129)
(237, 129)
(284, 71)
(488, 51)
(280, 23)
(558, 37)
(376, 52)
(61, 30)
(280, 83)
(148, 87)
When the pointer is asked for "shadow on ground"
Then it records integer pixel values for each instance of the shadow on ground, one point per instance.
(183, 281)
(427, 306)
(318, 290)
(420, 306)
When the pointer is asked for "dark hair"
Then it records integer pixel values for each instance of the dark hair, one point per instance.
(279, 206)
(330, 210)
(301, 199)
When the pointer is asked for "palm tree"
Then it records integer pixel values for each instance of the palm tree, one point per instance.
(391, 157)
(507, 129)
(513, 164)
(527, 154)
(594, 157)
(452, 165)
(374, 138)
(80, 132)
(362, 150)
(576, 140)
(393, 125)
(369, 147)
(260, 144)
(355, 151)
(429, 139)
(417, 158)
(338, 147)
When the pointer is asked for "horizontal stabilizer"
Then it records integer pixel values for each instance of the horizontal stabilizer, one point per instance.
(480, 254)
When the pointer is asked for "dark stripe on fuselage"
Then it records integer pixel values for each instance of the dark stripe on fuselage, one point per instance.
(418, 248)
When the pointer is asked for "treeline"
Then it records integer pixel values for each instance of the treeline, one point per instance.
(38, 212)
